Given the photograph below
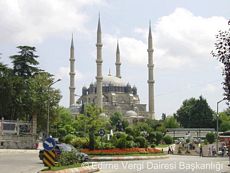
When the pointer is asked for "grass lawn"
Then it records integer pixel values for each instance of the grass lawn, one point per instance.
(162, 145)
(56, 168)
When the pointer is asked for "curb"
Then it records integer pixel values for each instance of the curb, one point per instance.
(74, 170)
(19, 151)
(97, 159)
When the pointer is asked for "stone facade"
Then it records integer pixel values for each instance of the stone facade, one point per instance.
(112, 93)
(117, 96)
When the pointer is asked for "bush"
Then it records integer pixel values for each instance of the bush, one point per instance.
(168, 139)
(68, 158)
(108, 146)
(153, 145)
(121, 143)
(68, 138)
(142, 141)
(210, 137)
(61, 132)
(159, 136)
(79, 142)
(129, 131)
(129, 138)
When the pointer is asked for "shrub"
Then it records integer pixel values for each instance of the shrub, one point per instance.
(129, 138)
(68, 158)
(153, 145)
(121, 143)
(108, 146)
(187, 141)
(168, 139)
(61, 132)
(141, 141)
(210, 137)
(68, 138)
(159, 136)
(79, 142)
(129, 131)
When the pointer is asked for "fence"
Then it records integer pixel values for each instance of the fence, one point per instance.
(15, 127)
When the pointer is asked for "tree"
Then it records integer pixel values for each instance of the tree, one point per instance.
(115, 118)
(210, 137)
(24, 89)
(195, 113)
(25, 62)
(159, 137)
(225, 126)
(168, 139)
(222, 53)
(90, 123)
(62, 118)
(225, 120)
(171, 122)
(6, 91)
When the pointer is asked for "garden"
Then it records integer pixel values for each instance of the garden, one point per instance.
(118, 137)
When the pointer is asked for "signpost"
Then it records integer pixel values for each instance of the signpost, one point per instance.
(49, 154)
(101, 132)
(49, 158)
(49, 144)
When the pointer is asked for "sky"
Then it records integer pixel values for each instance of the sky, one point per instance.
(183, 38)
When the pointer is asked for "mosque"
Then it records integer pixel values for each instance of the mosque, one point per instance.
(111, 93)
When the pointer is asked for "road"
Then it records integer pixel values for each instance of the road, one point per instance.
(174, 164)
(20, 161)
(27, 161)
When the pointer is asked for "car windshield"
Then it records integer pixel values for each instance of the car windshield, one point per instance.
(66, 147)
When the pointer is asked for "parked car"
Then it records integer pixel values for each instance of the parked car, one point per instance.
(62, 147)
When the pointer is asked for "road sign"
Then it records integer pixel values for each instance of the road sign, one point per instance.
(101, 132)
(49, 158)
(49, 144)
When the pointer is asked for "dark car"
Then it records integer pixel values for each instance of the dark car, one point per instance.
(66, 148)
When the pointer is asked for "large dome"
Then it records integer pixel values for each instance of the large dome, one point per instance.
(131, 113)
(112, 80)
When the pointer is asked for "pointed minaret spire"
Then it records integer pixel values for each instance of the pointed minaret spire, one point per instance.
(109, 72)
(99, 61)
(118, 62)
(72, 74)
(150, 42)
(99, 30)
(150, 74)
(72, 44)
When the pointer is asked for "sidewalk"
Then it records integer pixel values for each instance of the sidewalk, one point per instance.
(86, 169)
(123, 158)
(19, 151)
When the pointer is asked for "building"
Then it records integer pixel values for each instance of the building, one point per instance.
(112, 93)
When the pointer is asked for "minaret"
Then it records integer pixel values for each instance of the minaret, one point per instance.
(72, 75)
(99, 61)
(118, 62)
(150, 69)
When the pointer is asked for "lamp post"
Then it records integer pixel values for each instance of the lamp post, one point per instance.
(217, 124)
(48, 107)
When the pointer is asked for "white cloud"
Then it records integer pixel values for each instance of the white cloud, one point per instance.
(180, 39)
(23, 21)
(210, 88)
(186, 38)
(131, 49)
(63, 73)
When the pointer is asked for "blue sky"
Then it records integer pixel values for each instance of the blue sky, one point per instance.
(183, 35)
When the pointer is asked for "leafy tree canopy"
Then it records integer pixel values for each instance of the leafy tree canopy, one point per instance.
(195, 113)
(222, 53)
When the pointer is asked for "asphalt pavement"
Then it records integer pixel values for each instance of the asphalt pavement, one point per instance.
(174, 164)
(19, 161)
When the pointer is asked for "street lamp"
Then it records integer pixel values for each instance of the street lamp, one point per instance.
(217, 124)
(48, 107)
